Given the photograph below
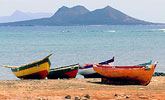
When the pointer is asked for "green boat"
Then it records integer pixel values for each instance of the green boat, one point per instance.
(63, 72)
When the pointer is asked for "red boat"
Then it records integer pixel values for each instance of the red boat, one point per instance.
(125, 74)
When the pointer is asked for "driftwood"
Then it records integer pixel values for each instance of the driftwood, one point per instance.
(14, 67)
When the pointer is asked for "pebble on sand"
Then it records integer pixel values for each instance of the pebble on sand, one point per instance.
(68, 97)
(77, 98)
(87, 96)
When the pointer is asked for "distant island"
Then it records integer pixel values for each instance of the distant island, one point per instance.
(79, 15)
(22, 16)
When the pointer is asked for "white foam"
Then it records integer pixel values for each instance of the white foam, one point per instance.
(162, 30)
(111, 31)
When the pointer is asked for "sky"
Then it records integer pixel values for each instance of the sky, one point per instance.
(148, 10)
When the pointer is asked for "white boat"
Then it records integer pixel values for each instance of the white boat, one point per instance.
(88, 72)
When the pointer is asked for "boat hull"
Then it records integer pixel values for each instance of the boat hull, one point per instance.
(88, 71)
(37, 70)
(126, 74)
(63, 72)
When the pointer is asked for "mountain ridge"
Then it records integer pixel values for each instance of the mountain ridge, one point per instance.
(79, 15)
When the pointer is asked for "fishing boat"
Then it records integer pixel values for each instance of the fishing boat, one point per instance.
(63, 72)
(34, 70)
(88, 72)
(126, 74)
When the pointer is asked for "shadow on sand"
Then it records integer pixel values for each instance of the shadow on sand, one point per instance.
(116, 84)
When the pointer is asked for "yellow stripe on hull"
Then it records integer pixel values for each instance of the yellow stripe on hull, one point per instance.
(33, 70)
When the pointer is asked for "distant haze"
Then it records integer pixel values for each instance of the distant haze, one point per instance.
(22, 16)
(148, 10)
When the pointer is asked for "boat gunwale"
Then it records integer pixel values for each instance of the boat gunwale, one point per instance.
(120, 67)
(65, 67)
(32, 64)
(101, 63)
(124, 67)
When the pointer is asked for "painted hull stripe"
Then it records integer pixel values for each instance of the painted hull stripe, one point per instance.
(41, 75)
(30, 66)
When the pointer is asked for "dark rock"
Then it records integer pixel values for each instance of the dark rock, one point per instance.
(87, 96)
(127, 97)
(159, 74)
(68, 97)
(116, 94)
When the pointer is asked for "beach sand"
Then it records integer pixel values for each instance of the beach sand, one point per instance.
(59, 89)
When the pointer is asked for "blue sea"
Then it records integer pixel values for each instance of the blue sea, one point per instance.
(130, 45)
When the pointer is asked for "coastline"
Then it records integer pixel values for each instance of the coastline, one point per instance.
(59, 89)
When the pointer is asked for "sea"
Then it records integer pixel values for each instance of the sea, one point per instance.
(129, 44)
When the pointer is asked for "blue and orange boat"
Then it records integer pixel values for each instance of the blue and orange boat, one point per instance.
(34, 70)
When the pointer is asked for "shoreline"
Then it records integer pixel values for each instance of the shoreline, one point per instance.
(59, 89)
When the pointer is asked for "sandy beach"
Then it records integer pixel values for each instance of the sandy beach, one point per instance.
(59, 89)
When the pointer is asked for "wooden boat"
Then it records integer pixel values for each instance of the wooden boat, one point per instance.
(63, 72)
(34, 70)
(125, 74)
(88, 72)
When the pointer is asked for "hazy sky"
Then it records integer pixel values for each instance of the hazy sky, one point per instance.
(149, 10)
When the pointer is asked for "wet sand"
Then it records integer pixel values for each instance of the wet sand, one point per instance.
(59, 89)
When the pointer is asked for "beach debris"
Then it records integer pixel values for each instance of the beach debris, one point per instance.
(87, 96)
(118, 96)
(83, 98)
(77, 98)
(141, 88)
(143, 97)
(127, 97)
(81, 88)
(68, 97)
(42, 99)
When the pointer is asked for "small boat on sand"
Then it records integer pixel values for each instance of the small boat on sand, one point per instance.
(88, 72)
(125, 74)
(34, 70)
(63, 72)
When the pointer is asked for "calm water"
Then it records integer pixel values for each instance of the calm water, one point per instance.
(130, 45)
